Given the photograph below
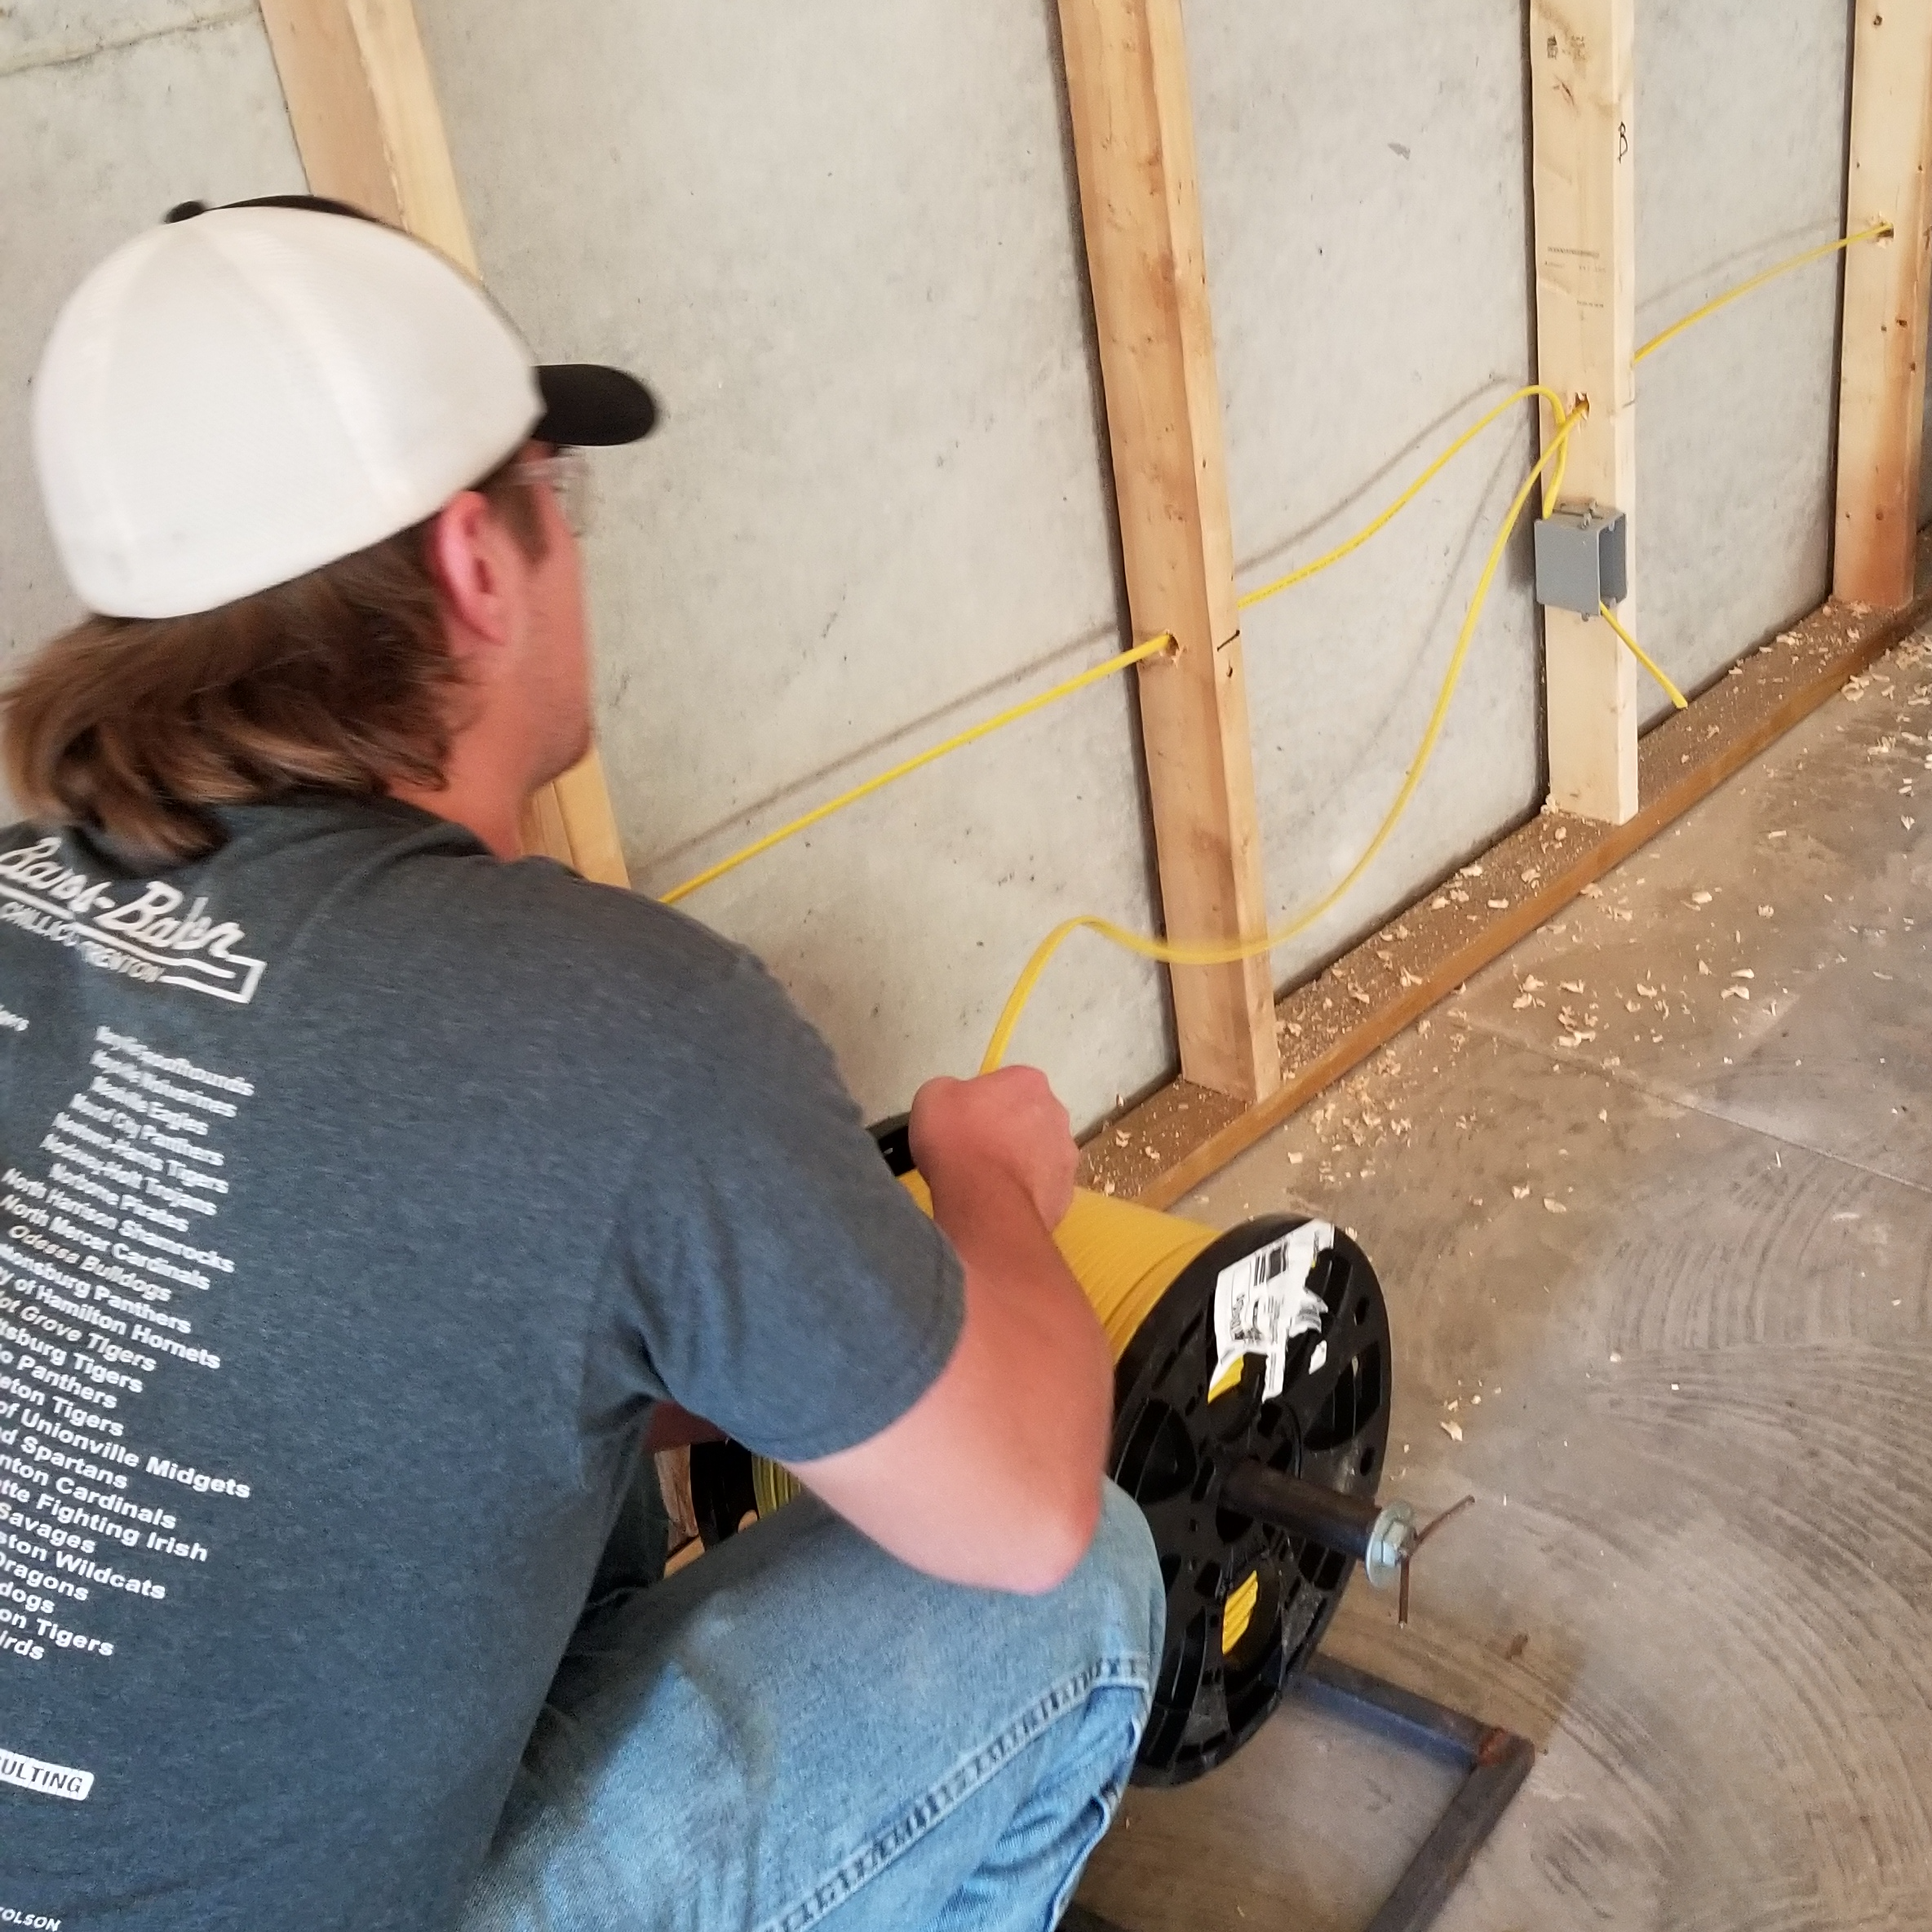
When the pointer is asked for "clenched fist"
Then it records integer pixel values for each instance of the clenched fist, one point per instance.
(1009, 1121)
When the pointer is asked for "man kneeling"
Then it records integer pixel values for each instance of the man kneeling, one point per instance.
(367, 1187)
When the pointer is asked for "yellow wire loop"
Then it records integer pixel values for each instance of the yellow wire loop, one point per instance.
(1645, 659)
(880, 780)
(1877, 231)
(1227, 953)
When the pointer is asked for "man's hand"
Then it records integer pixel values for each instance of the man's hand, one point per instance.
(1009, 1121)
(993, 1476)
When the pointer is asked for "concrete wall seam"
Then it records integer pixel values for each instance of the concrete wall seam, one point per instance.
(39, 41)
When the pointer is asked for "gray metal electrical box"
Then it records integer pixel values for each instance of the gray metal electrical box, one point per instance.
(1580, 561)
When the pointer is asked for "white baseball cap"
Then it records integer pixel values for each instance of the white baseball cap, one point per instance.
(244, 394)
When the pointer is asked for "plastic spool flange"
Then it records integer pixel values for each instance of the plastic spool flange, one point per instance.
(1172, 1448)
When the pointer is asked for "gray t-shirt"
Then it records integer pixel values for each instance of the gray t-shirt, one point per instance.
(358, 1196)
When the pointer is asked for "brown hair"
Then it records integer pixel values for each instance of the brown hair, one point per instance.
(341, 680)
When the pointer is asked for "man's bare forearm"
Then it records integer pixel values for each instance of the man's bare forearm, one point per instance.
(1050, 1370)
(993, 1477)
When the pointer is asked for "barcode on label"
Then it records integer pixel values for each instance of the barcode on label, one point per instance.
(1263, 1301)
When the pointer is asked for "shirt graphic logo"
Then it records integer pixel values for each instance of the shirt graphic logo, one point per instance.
(147, 938)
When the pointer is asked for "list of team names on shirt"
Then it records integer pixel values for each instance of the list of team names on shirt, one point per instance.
(108, 1246)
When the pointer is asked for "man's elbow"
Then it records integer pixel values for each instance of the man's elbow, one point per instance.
(1051, 1546)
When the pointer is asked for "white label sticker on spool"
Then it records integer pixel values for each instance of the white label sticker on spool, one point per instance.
(1263, 1301)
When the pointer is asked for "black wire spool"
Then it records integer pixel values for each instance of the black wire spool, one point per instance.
(1222, 1674)
(1247, 1600)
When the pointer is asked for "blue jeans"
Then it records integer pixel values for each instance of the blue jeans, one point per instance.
(797, 1731)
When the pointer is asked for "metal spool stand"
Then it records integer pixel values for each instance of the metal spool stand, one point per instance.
(1261, 1508)
(1495, 1761)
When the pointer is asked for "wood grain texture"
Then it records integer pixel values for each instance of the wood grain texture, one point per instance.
(583, 802)
(363, 110)
(332, 110)
(1583, 79)
(1172, 1142)
(1133, 140)
(1881, 380)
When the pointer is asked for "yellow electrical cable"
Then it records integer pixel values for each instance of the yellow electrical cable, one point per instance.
(1552, 487)
(1877, 231)
(1000, 719)
(1304, 571)
(1645, 658)
(1300, 574)
(1152, 647)
(1238, 1612)
(1228, 953)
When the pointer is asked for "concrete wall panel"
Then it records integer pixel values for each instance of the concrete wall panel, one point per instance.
(1741, 118)
(94, 146)
(39, 32)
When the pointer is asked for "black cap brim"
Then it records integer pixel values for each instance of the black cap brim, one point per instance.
(588, 403)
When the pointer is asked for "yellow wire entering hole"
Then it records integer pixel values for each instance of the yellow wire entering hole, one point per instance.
(1238, 1612)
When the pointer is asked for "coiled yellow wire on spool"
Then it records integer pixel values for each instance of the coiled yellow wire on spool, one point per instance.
(772, 1485)
(1124, 1257)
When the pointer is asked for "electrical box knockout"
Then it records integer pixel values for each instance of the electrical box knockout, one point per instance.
(1580, 559)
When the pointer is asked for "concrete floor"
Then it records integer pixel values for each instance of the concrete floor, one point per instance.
(1652, 1202)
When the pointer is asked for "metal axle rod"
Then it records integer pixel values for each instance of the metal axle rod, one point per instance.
(1382, 1535)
